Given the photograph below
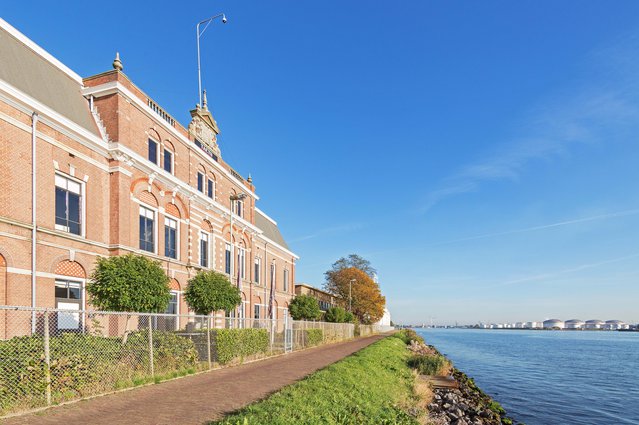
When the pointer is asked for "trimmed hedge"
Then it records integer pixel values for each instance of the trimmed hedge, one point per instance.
(231, 344)
(313, 337)
(81, 365)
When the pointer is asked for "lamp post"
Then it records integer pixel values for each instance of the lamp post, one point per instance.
(199, 34)
(233, 198)
(350, 294)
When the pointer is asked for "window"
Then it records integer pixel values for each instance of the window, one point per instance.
(285, 280)
(170, 237)
(256, 311)
(204, 249)
(168, 161)
(173, 304)
(210, 190)
(67, 290)
(68, 198)
(273, 281)
(227, 259)
(200, 182)
(239, 207)
(68, 296)
(258, 264)
(153, 151)
(147, 223)
(241, 262)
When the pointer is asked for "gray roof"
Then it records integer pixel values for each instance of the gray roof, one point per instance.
(269, 228)
(30, 73)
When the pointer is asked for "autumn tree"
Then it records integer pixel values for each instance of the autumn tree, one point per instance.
(358, 287)
(353, 260)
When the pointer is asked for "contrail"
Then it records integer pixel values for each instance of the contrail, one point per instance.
(543, 227)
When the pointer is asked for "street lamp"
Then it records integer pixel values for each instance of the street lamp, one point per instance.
(350, 294)
(199, 34)
(233, 198)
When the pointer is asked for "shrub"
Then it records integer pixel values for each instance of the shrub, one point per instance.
(408, 335)
(231, 344)
(336, 315)
(82, 365)
(313, 337)
(211, 291)
(430, 365)
(129, 283)
(304, 307)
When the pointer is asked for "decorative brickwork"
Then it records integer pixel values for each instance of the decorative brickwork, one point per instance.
(148, 198)
(172, 209)
(70, 268)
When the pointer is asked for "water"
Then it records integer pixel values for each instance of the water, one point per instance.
(550, 377)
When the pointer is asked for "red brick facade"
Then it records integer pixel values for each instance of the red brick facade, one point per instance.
(117, 183)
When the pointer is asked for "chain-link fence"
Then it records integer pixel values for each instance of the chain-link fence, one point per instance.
(50, 356)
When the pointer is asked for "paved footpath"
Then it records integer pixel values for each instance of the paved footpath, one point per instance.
(200, 398)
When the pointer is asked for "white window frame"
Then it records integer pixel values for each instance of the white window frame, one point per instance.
(197, 181)
(286, 277)
(208, 248)
(241, 263)
(172, 160)
(177, 236)
(258, 263)
(82, 284)
(227, 248)
(155, 228)
(83, 203)
(157, 150)
(211, 180)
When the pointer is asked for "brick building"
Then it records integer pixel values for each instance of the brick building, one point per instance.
(325, 299)
(115, 174)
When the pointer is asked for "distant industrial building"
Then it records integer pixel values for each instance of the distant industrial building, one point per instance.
(574, 324)
(553, 324)
(615, 325)
(533, 325)
(594, 324)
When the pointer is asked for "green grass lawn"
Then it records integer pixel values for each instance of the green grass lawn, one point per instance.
(374, 385)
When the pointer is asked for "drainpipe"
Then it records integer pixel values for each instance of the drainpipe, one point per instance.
(34, 122)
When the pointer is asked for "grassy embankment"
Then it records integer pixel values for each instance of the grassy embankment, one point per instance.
(374, 385)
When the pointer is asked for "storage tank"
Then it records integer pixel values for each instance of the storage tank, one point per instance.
(553, 324)
(574, 324)
(594, 324)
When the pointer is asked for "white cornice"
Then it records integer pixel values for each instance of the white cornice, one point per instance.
(39, 50)
(117, 87)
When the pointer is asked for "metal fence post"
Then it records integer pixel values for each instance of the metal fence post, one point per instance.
(47, 359)
(208, 340)
(152, 368)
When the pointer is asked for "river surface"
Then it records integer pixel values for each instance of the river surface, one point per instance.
(550, 377)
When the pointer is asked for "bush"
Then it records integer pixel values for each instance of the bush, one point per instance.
(408, 335)
(129, 283)
(313, 337)
(231, 344)
(337, 315)
(304, 307)
(430, 365)
(211, 291)
(81, 365)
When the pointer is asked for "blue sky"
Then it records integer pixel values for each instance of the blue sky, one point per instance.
(483, 156)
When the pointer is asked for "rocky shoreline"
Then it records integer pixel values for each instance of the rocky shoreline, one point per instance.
(466, 405)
